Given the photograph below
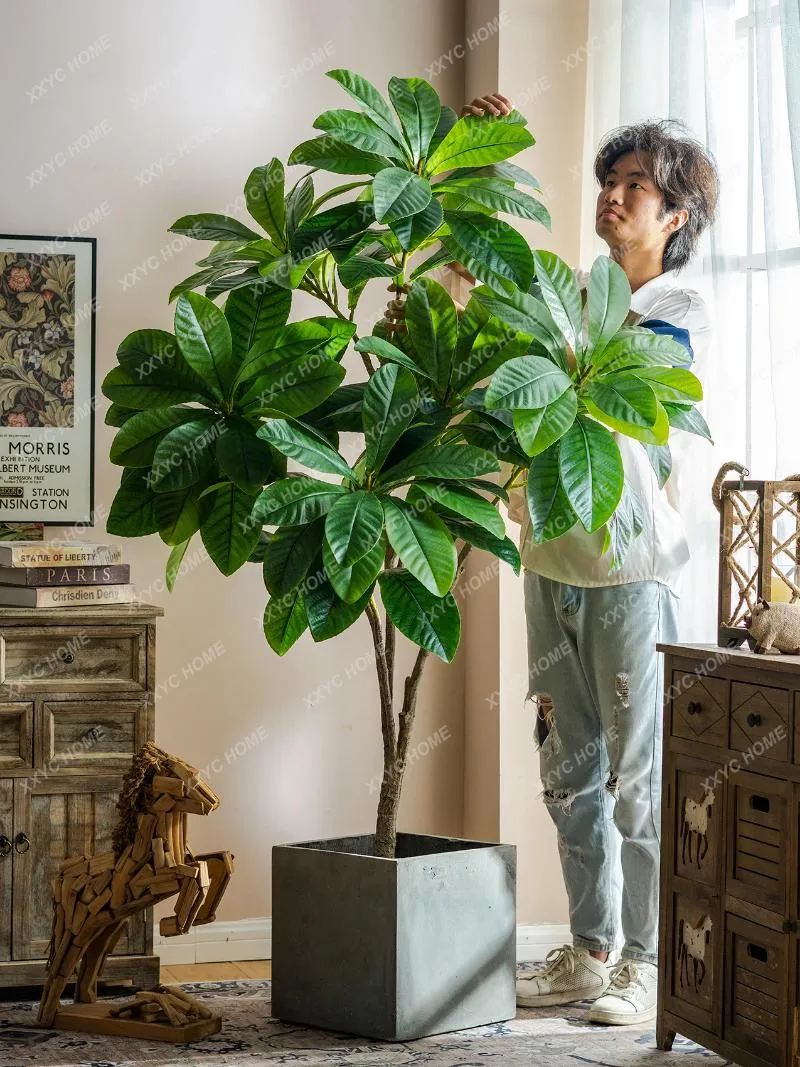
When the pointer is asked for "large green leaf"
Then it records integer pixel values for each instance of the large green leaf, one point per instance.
(496, 194)
(304, 445)
(526, 382)
(299, 203)
(608, 301)
(418, 106)
(204, 337)
(527, 314)
(633, 347)
(464, 502)
(674, 384)
(135, 443)
(180, 514)
(145, 348)
(591, 471)
(211, 227)
(385, 350)
(302, 387)
(548, 505)
(691, 421)
(161, 388)
(540, 428)
(489, 248)
(474, 142)
(560, 291)
(397, 192)
(229, 534)
(340, 334)
(370, 100)
(432, 329)
(285, 620)
(360, 269)
(414, 230)
(359, 131)
(353, 526)
(185, 454)
(263, 193)
(501, 547)
(352, 581)
(278, 350)
(484, 344)
(174, 561)
(295, 500)
(329, 228)
(133, 512)
(288, 555)
(326, 153)
(429, 621)
(625, 398)
(253, 313)
(390, 403)
(329, 615)
(660, 457)
(446, 462)
(423, 544)
(243, 456)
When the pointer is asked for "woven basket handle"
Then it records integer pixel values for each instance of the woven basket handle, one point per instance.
(716, 488)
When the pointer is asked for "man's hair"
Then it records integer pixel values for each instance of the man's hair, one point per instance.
(682, 171)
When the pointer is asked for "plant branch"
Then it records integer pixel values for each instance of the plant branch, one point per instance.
(387, 714)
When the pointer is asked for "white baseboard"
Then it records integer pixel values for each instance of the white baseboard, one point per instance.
(251, 939)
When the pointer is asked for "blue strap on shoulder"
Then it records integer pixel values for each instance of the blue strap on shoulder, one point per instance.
(677, 333)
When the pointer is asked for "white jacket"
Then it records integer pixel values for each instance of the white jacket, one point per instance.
(661, 550)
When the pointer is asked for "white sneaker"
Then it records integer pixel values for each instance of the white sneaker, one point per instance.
(571, 974)
(631, 997)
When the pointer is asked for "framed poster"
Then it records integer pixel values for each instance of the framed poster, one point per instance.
(47, 338)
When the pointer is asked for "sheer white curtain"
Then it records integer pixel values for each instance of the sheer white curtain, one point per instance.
(730, 71)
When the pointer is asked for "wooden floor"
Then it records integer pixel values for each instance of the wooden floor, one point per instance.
(215, 972)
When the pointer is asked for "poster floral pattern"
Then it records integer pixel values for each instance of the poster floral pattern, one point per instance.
(37, 339)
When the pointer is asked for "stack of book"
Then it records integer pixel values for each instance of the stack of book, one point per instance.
(56, 574)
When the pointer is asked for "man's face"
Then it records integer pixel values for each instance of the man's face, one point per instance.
(629, 205)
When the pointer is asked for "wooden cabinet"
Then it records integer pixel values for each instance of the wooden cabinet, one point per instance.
(76, 703)
(730, 887)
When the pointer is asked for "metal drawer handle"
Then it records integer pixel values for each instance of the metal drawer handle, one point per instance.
(753, 719)
(694, 707)
(5, 846)
(22, 842)
(66, 655)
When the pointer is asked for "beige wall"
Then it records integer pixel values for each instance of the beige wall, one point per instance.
(188, 96)
(194, 94)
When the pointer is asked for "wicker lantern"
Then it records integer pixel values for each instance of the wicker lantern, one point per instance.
(759, 547)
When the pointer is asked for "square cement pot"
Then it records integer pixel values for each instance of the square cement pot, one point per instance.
(394, 949)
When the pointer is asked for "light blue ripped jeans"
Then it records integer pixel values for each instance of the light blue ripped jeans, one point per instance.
(596, 682)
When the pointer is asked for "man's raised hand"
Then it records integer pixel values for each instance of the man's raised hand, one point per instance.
(488, 104)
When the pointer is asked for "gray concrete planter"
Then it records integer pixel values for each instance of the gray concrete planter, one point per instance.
(394, 949)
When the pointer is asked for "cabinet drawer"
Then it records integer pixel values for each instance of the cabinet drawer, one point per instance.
(759, 837)
(694, 930)
(76, 657)
(756, 976)
(760, 719)
(16, 736)
(98, 735)
(698, 821)
(700, 708)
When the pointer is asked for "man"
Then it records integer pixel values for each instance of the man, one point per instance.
(599, 709)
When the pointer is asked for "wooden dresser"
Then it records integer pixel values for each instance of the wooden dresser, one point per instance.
(76, 701)
(730, 886)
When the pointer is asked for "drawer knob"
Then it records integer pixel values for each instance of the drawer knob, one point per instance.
(753, 719)
(694, 707)
(66, 655)
(5, 846)
(22, 842)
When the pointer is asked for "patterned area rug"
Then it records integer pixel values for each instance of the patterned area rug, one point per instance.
(552, 1037)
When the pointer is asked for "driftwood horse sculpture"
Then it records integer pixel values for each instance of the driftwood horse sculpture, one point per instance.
(151, 861)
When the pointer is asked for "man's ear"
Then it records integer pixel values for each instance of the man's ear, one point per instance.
(675, 221)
